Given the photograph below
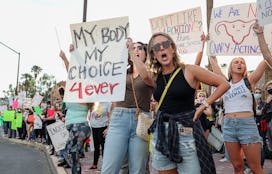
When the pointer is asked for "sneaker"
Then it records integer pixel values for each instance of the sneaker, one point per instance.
(247, 171)
(61, 163)
(224, 159)
(93, 167)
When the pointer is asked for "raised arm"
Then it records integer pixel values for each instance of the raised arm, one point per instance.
(141, 67)
(262, 43)
(215, 67)
(200, 53)
(64, 58)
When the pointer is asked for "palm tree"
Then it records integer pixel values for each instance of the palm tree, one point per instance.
(10, 92)
(46, 83)
(27, 78)
(36, 70)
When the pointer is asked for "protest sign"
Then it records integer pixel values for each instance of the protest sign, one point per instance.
(8, 115)
(264, 9)
(15, 104)
(3, 108)
(19, 120)
(37, 110)
(37, 99)
(27, 103)
(97, 68)
(58, 134)
(185, 28)
(231, 31)
(21, 98)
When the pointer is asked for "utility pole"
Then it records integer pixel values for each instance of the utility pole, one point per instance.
(209, 7)
(18, 67)
(85, 10)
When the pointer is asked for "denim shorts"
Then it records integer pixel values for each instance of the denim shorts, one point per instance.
(242, 130)
(187, 149)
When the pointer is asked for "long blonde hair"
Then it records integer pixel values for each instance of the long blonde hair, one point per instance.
(230, 71)
(154, 65)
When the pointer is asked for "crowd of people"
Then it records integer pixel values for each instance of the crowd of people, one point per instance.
(184, 113)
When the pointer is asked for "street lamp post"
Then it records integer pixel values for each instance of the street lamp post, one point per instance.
(85, 10)
(17, 81)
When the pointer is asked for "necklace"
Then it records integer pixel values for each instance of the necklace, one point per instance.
(166, 78)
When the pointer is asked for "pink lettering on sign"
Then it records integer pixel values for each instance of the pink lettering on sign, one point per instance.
(89, 90)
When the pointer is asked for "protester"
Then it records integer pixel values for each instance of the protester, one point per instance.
(205, 122)
(98, 119)
(177, 119)
(123, 120)
(260, 120)
(77, 125)
(267, 111)
(49, 118)
(30, 124)
(238, 122)
(22, 130)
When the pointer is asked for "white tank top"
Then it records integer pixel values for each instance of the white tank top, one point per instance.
(238, 98)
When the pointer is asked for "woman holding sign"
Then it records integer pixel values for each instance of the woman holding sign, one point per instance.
(121, 139)
(178, 142)
(239, 128)
(77, 125)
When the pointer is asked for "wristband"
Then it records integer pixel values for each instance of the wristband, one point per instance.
(205, 103)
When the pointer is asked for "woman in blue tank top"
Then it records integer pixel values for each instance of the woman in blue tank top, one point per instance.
(77, 125)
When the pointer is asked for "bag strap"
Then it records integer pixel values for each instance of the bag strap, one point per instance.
(134, 95)
(167, 86)
(248, 85)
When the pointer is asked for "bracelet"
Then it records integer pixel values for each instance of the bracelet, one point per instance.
(259, 32)
(205, 103)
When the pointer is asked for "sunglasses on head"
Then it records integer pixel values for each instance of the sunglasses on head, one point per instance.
(140, 47)
(164, 44)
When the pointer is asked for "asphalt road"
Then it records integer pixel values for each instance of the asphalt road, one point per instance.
(20, 159)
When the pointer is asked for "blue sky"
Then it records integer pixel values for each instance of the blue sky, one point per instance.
(29, 27)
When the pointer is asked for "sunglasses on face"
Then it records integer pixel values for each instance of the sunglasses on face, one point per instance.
(165, 44)
(140, 47)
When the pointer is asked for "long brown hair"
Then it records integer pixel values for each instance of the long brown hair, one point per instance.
(154, 65)
(130, 63)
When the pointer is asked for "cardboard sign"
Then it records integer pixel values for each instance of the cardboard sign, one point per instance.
(58, 134)
(19, 120)
(8, 115)
(185, 28)
(231, 31)
(37, 99)
(97, 68)
(264, 9)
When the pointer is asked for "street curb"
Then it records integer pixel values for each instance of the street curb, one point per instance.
(51, 159)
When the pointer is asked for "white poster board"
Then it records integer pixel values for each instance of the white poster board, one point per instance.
(97, 69)
(37, 99)
(231, 31)
(58, 134)
(215, 138)
(21, 98)
(264, 9)
(185, 28)
(3, 108)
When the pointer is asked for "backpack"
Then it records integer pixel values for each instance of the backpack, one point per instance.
(248, 85)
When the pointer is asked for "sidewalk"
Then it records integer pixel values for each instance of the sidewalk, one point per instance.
(221, 167)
